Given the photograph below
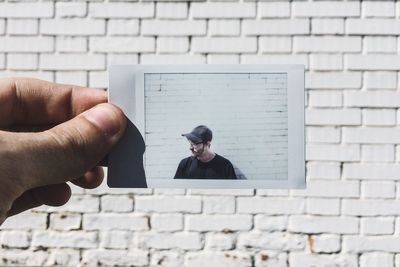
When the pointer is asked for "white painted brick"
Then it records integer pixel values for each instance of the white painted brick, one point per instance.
(377, 226)
(348, 116)
(166, 222)
(273, 192)
(371, 99)
(26, 220)
(172, 59)
(379, 117)
(358, 244)
(380, 80)
(323, 170)
(19, 10)
(377, 135)
(114, 221)
(74, 27)
(203, 223)
(301, 259)
(381, 189)
(333, 152)
(325, 98)
(318, 188)
(333, 80)
(325, 243)
(71, 44)
(224, 45)
(270, 205)
(377, 44)
(171, 10)
(267, 258)
(275, 59)
(219, 10)
(26, 44)
(275, 27)
(115, 239)
(275, 44)
(43, 75)
(2, 26)
(371, 171)
(66, 222)
(217, 27)
(370, 207)
(216, 204)
(226, 258)
(113, 59)
(323, 134)
(68, 10)
(372, 62)
(173, 44)
(275, 240)
(377, 259)
(22, 61)
(116, 203)
(323, 206)
(326, 62)
(332, 44)
(270, 223)
(182, 240)
(378, 9)
(72, 77)
(319, 224)
(173, 27)
(117, 27)
(63, 257)
(222, 59)
(273, 9)
(168, 204)
(98, 79)
(121, 10)
(221, 192)
(219, 241)
(2, 61)
(73, 239)
(167, 258)
(103, 257)
(327, 26)
(373, 26)
(22, 257)
(326, 9)
(77, 203)
(72, 62)
(377, 153)
(14, 239)
(22, 26)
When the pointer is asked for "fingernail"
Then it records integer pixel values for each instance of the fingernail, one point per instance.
(105, 118)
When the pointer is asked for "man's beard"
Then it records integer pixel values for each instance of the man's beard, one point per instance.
(196, 153)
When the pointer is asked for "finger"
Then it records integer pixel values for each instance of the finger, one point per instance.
(28, 101)
(90, 179)
(69, 149)
(52, 195)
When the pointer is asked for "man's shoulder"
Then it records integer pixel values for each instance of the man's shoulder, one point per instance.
(186, 160)
(222, 159)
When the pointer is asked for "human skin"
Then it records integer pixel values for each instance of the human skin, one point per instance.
(51, 134)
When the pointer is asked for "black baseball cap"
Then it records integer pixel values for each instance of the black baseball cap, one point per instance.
(200, 134)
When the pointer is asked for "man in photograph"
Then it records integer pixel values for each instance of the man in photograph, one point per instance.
(203, 163)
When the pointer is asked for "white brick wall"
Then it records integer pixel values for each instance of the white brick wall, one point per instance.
(348, 215)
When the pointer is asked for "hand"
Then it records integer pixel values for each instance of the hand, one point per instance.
(50, 134)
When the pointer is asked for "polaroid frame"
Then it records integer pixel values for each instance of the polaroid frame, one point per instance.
(126, 90)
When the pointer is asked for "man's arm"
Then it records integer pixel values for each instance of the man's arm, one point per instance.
(230, 173)
(179, 170)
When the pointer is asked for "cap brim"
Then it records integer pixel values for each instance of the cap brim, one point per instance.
(193, 138)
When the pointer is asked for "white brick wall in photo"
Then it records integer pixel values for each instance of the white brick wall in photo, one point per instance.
(349, 215)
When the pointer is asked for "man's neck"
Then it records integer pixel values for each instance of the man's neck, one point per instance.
(206, 157)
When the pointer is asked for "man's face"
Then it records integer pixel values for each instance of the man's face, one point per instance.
(197, 149)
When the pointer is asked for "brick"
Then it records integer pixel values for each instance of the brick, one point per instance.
(43, 75)
(273, 192)
(372, 62)
(376, 259)
(74, 27)
(373, 135)
(325, 98)
(323, 206)
(222, 59)
(167, 258)
(217, 27)
(380, 80)
(270, 223)
(325, 243)
(66, 222)
(173, 44)
(26, 220)
(216, 204)
(221, 192)
(181, 240)
(2, 61)
(385, 99)
(218, 10)
(117, 27)
(276, 27)
(370, 207)
(322, 152)
(98, 79)
(122, 59)
(172, 10)
(336, 189)
(377, 226)
(378, 9)
(349, 116)
(77, 203)
(371, 171)
(372, 27)
(275, 44)
(168, 204)
(273, 258)
(332, 44)
(381, 189)
(103, 257)
(72, 62)
(22, 61)
(26, 44)
(73, 239)
(115, 239)
(359, 244)
(22, 26)
(270, 205)
(114, 221)
(173, 27)
(274, 241)
(377, 153)
(116, 203)
(224, 45)
(64, 257)
(172, 59)
(326, 9)
(166, 222)
(22, 257)
(225, 258)
(72, 77)
(379, 44)
(219, 241)
(14, 239)
(70, 10)
(275, 59)
(323, 170)
(273, 9)
(326, 62)
(379, 117)
(319, 224)
(298, 259)
(19, 10)
(71, 44)
(327, 26)
(323, 134)
(333, 80)
(121, 10)
(203, 223)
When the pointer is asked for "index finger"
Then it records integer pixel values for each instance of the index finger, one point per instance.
(28, 101)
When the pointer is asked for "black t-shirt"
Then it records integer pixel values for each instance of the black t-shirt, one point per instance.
(217, 168)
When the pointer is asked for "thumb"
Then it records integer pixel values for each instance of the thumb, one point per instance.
(66, 151)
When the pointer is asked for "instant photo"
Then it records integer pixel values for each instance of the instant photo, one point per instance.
(209, 126)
